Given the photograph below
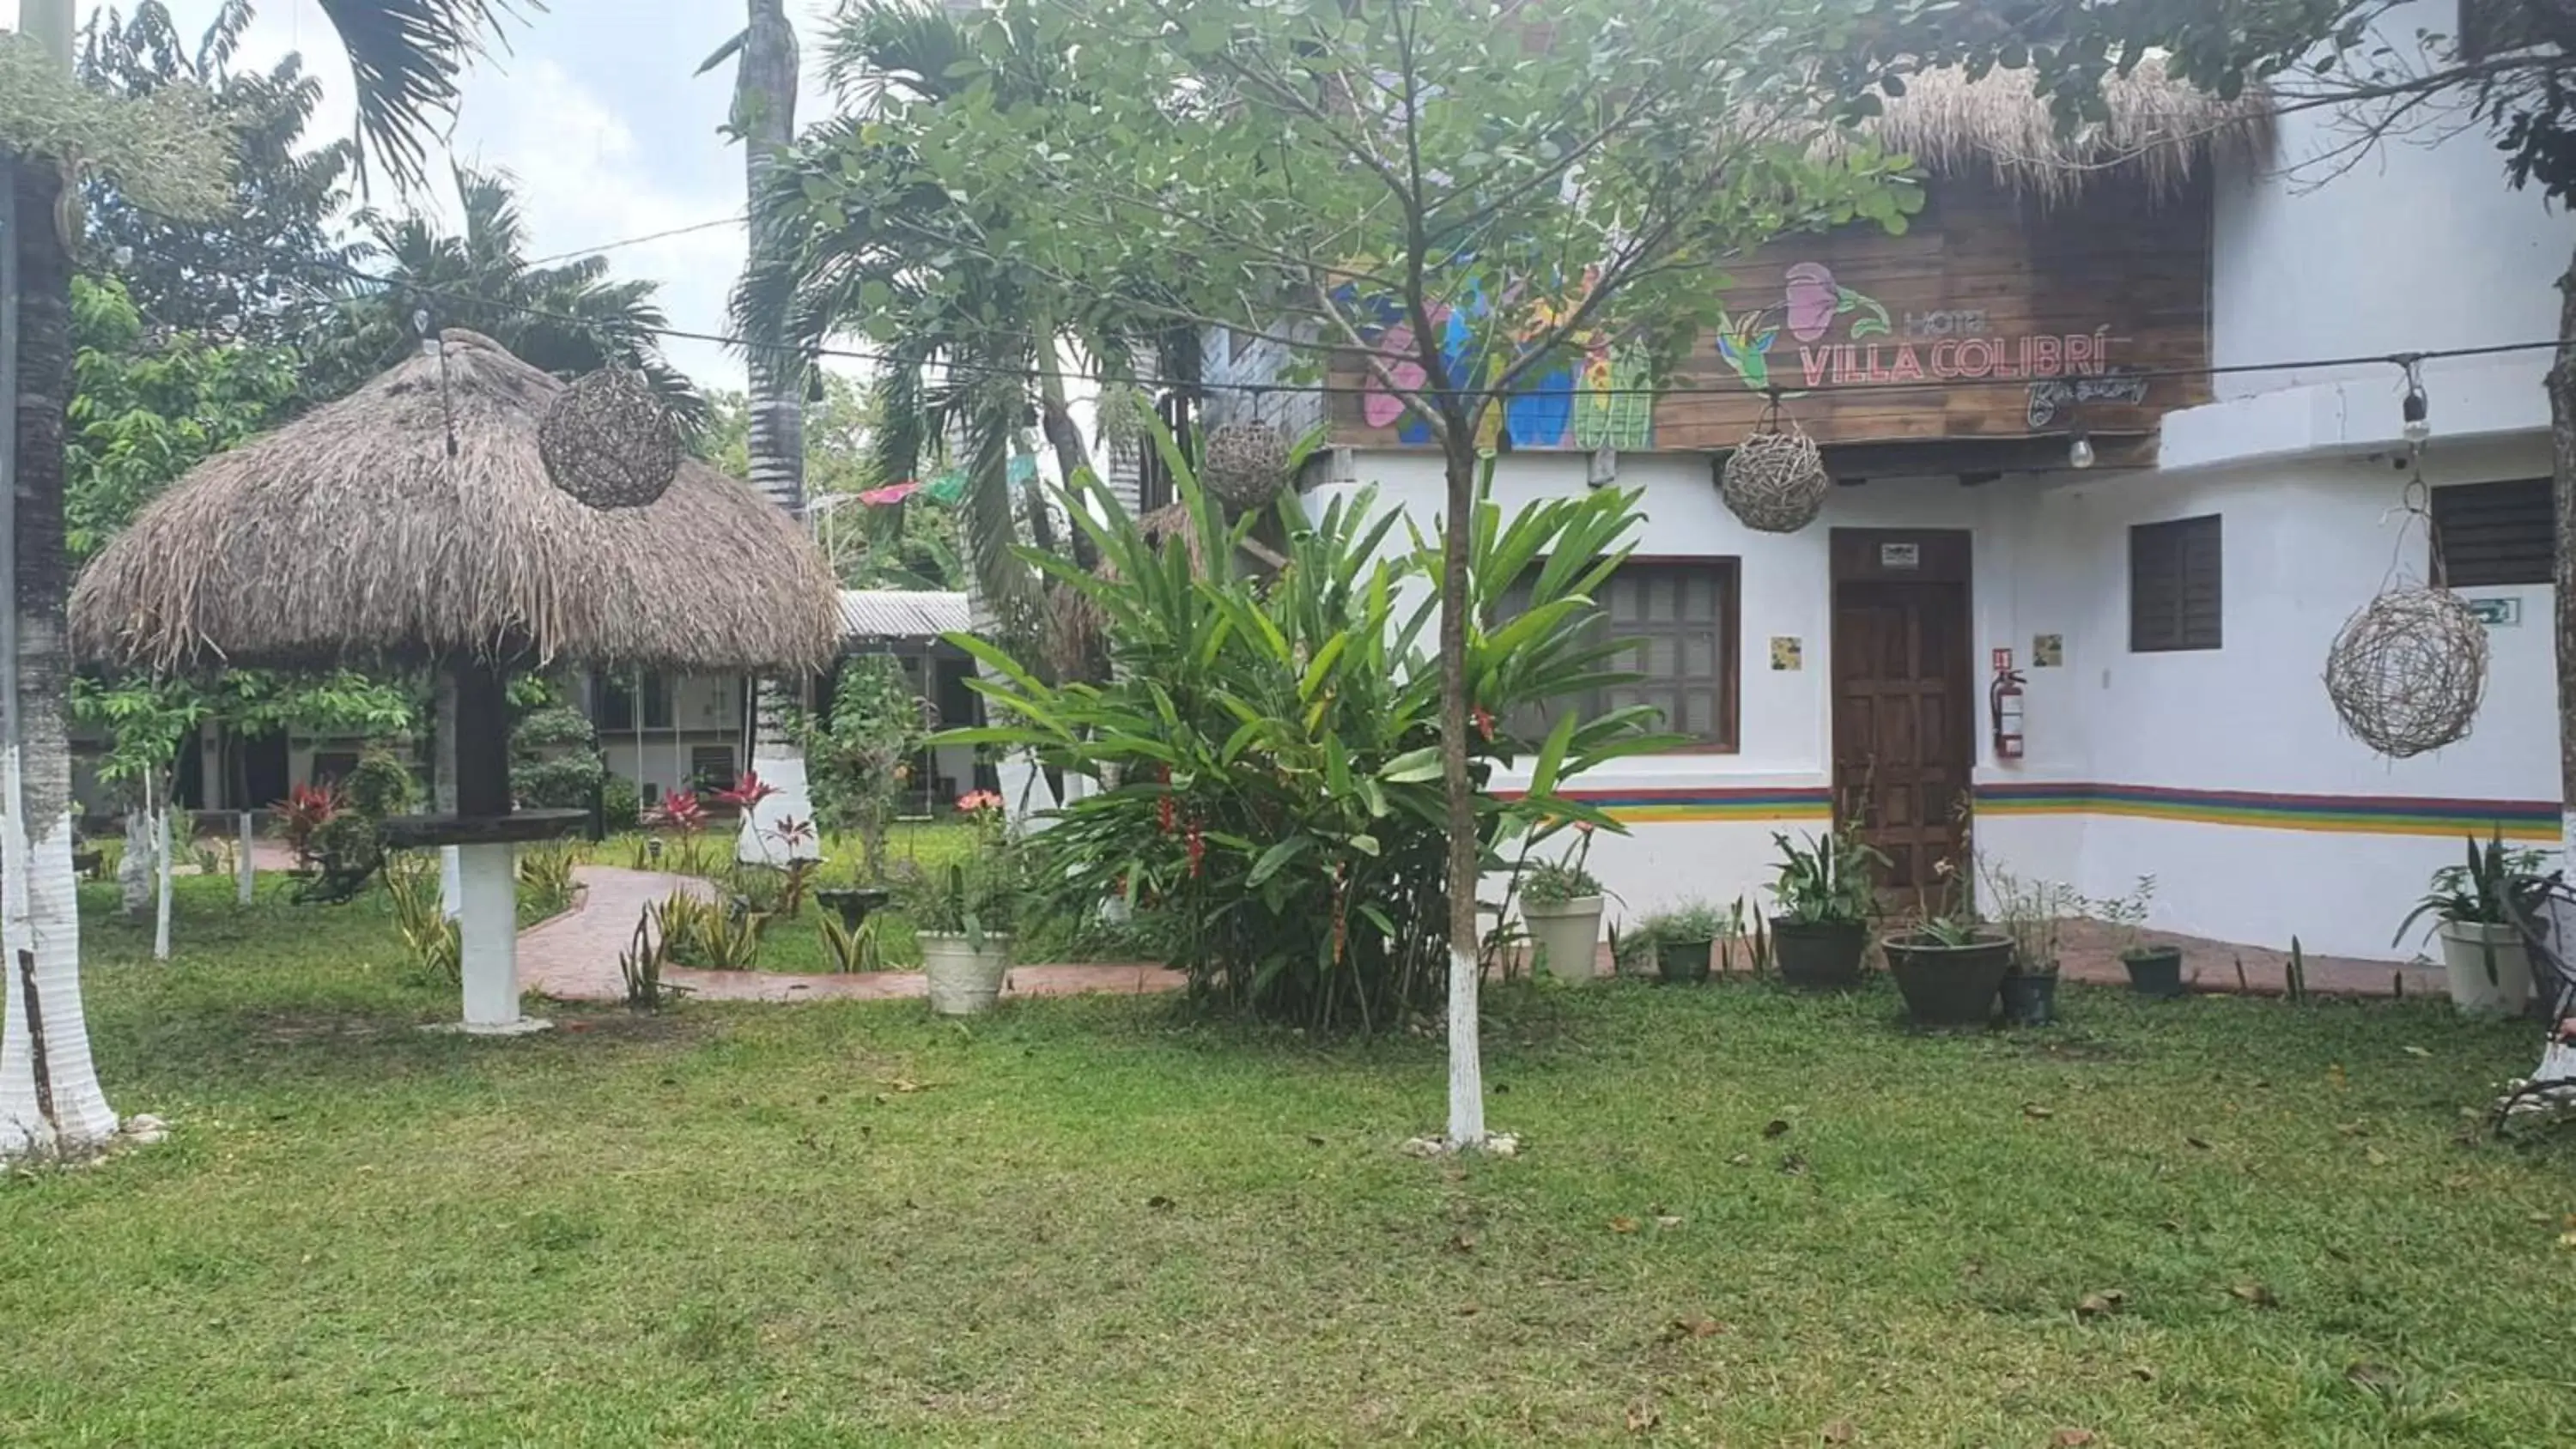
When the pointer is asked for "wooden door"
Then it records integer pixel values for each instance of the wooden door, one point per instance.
(1903, 702)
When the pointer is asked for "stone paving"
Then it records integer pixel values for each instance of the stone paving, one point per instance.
(573, 957)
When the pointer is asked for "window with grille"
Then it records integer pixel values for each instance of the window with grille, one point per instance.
(2174, 587)
(2496, 533)
(711, 767)
(1679, 619)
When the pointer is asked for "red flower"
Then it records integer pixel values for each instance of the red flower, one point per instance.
(1484, 723)
(974, 801)
(682, 812)
(1165, 814)
(747, 792)
(1197, 846)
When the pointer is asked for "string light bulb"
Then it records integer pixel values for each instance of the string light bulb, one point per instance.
(2417, 408)
(2079, 454)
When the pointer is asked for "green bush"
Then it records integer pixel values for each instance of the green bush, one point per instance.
(1275, 738)
(621, 807)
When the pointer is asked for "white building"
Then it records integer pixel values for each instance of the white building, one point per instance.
(2170, 608)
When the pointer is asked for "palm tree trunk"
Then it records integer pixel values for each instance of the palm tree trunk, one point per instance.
(49, 1092)
(765, 114)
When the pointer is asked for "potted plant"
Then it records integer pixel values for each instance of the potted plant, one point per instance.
(2154, 969)
(2473, 906)
(1680, 942)
(962, 914)
(1947, 967)
(2032, 915)
(1561, 905)
(1823, 899)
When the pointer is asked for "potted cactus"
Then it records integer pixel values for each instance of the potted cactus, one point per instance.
(1822, 901)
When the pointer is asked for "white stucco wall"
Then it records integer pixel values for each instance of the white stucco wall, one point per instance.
(2305, 543)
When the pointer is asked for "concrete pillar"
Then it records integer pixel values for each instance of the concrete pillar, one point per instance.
(489, 938)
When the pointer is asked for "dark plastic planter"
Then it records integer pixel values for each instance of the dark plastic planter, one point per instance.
(1682, 963)
(2030, 998)
(2154, 970)
(1949, 985)
(1819, 955)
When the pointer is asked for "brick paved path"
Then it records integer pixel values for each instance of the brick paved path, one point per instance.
(573, 957)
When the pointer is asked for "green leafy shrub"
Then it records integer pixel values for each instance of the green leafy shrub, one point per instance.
(554, 764)
(436, 946)
(621, 807)
(1274, 735)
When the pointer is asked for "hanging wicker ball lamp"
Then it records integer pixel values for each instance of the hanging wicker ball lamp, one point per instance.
(608, 441)
(2408, 670)
(1244, 465)
(1775, 480)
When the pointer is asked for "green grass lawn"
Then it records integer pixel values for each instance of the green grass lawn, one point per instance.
(1093, 1221)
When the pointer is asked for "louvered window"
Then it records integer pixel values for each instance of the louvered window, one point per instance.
(2495, 533)
(2174, 585)
(1679, 621)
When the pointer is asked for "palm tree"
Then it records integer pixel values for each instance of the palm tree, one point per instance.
(974, 347)
(566, 318)
(764, 118)
(405, 56)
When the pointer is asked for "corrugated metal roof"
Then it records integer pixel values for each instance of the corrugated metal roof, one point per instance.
(900, 614)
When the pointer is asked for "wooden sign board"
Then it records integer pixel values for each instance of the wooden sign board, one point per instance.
(1992, 316)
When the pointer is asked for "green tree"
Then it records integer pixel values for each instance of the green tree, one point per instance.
(1313, 172)
(169, 151)
(566, 317)
(910, 544)
(257, 269)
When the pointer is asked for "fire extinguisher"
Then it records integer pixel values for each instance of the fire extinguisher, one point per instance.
(2003, 698)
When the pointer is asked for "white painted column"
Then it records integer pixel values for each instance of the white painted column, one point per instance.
(245, 873)
(489, 938)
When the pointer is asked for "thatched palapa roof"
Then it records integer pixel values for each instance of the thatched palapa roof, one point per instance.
(2158, 132)
(350, 535)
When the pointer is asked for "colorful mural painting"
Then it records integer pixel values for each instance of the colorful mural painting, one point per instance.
(1600, 398)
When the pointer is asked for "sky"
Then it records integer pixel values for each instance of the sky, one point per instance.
(593, 107)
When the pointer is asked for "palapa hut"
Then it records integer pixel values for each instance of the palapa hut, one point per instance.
(414, 523)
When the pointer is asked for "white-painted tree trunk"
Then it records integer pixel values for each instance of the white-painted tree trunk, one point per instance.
(1466, 1059)
(245, 869)
(49, 1092)
(162, 869)
(136, 869)
(764, 113)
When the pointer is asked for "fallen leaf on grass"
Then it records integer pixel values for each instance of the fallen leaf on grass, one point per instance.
(1667, 1220)
(2102, 1304)
(2143, 1373)
(1467, 1310)
(2036, 1112)
(2375, 1376)
(1160, 1203)
(2416, 1051)
(1741, 1159)
(1681, 1328)
(1642, 1416)
(1794, 1165)
(2376, 1157)
(1462, 1242)
(1623, 1224)
(1775, 1127)
(1314, 1139)
(1840, 1431)
(2070, 1439)
(2196, 1142)
(2257, 1295)
(904, 1084)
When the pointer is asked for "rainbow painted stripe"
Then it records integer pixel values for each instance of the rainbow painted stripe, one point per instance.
(1706, 802)
(2349, 814)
